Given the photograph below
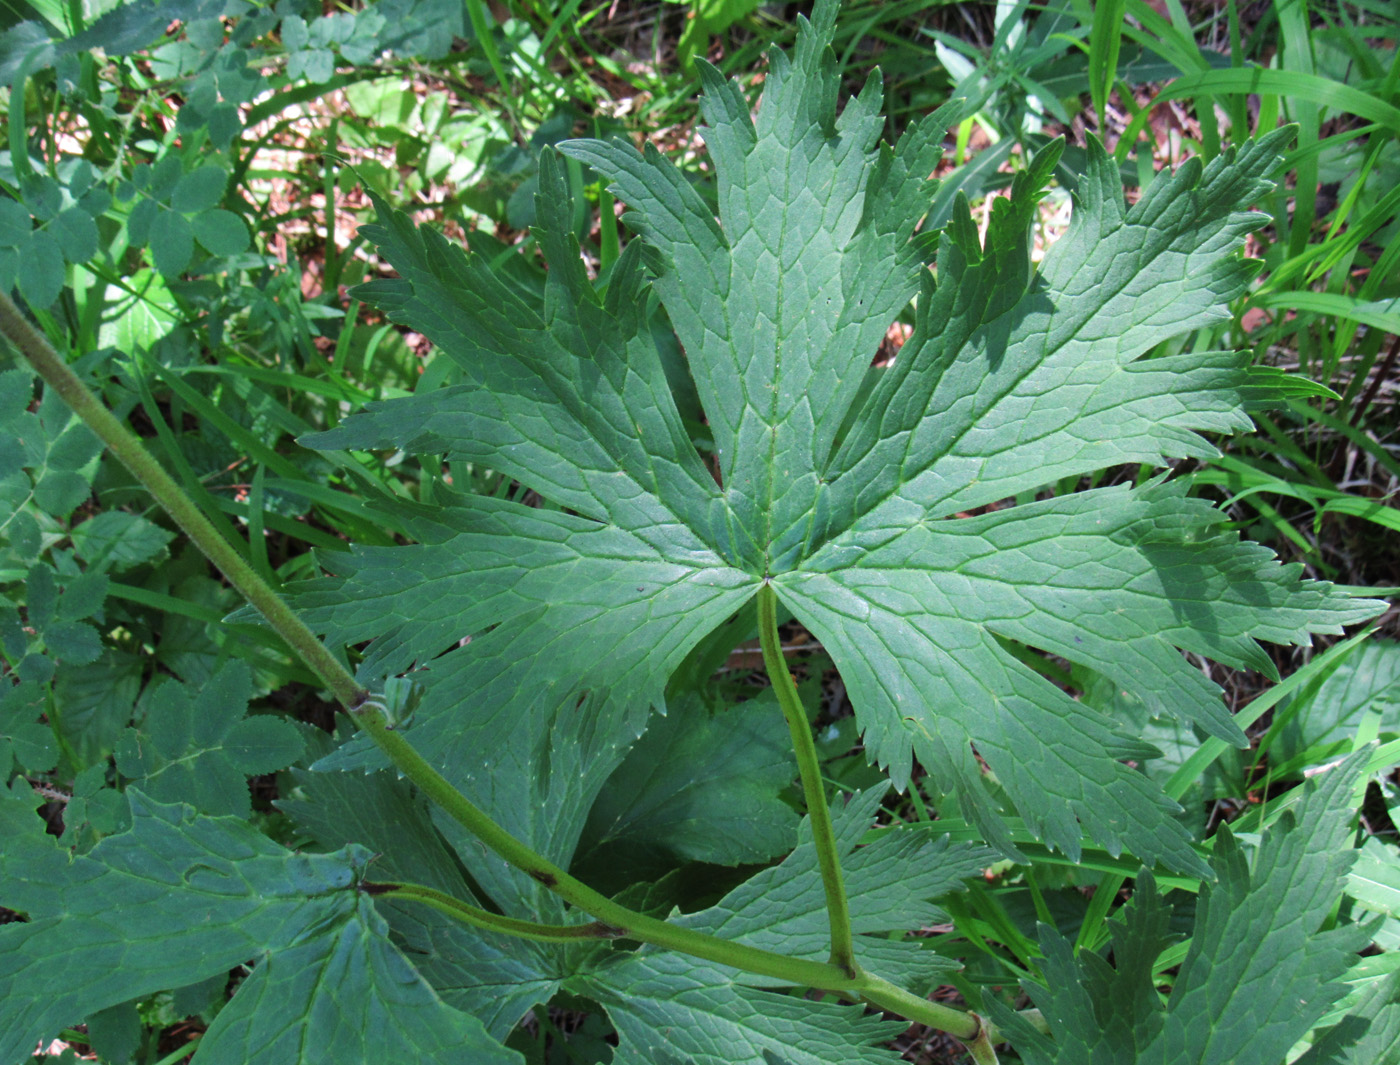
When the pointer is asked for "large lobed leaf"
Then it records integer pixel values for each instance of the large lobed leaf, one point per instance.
(668, 1007)
(871, 500)
(180, 898)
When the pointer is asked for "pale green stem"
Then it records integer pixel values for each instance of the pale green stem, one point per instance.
(810, 771)
(629, 924)
(491, 922)
(613, 920)
(960, 1024)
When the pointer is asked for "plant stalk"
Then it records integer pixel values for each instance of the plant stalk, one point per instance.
(960, 1024)
(627, 923)
(810, 771)
(612, 919)
(485, 919)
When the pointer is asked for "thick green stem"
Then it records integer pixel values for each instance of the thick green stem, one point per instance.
(982, 1050)
(887, 996)
(492, 922)
(133, 455)
(627, 923)
(810, 771)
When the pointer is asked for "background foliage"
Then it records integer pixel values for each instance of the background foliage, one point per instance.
(182, 190)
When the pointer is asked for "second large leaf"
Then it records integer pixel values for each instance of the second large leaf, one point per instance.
(876, 502)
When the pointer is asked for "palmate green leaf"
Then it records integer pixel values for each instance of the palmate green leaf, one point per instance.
(872, 517)
(1259, 972)
(180, 898)
(671, 1008)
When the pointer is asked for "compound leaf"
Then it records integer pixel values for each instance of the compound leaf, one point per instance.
(197, 746)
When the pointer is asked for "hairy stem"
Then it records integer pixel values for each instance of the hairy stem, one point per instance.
(491, 922)
(809, 770)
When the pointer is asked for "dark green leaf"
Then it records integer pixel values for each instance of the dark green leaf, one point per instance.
(1366, 685)
(696, 787)
(654, 997)
(24, 535)
(73, 643)
(95, 702)
(1262, 969)
(15, 224)
(221, 232)
(117, 540)
(116, 1032)
(1370, 1032)
(197, 896)
(59, 492)
(42, 195)
(172, 242)
(495, 978)
(866, 509)
(75, 447)
(41, 275)
(82, 596)
(133, 26)
(24, 741)
(143, 216)
(316, 65)
(77, 234)
(199, 189)
(294, 33)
